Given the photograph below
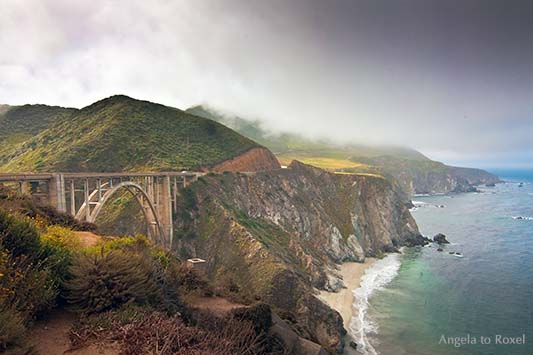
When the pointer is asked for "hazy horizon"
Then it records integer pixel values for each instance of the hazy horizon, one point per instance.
(452, 80)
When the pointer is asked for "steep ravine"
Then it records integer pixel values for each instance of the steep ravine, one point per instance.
(279, 235)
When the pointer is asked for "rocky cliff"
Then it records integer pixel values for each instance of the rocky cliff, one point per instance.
(256, 159)
(277, 236)
(428, 176)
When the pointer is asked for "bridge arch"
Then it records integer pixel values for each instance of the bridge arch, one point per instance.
(140, 195)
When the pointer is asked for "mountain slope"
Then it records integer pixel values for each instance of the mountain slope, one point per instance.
(19, 123)
(123, 134)
(414, 172)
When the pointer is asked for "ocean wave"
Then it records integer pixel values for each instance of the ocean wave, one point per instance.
(420, 204)
(375, 278)
(523, 218)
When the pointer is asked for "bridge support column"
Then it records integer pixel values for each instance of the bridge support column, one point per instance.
(164, 209)
(72, 198)
(25, 188)
(56, 193)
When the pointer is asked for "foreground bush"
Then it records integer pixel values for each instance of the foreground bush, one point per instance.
(12, 329)
(108, 280)
(142, 331)
(27, 284)
(58, 247)
(15, 202)
(18, 236)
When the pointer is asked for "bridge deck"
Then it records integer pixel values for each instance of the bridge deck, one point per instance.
(6, 177)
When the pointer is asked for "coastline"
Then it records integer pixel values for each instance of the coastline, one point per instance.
(343, 301)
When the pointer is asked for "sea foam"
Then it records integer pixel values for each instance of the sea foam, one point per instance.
(375, 278)
(523, 218)
(420, 204)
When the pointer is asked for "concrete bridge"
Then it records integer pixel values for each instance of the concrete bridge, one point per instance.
(83, 195)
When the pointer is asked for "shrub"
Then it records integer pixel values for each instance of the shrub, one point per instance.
(187, 280)
(25, 286)
(142, 331)
(52, 216)
(12, 329)
(108, 280)
(138, 244)
(58, 245)
(61, 237)
(18, 236)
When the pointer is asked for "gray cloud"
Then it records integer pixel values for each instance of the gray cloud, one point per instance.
(453, 79)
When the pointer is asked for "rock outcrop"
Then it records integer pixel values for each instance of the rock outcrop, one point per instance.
(440, 239)
(256, 159)
(278, 235)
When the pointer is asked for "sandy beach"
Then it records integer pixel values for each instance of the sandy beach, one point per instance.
(343, 300)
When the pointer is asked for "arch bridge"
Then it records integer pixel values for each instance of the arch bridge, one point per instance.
(83, 195)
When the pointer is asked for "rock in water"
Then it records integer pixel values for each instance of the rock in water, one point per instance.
(416, 239)
(439, 249)
(441, 239)
(353, 344)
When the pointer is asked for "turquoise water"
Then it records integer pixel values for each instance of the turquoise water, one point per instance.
(488, 292)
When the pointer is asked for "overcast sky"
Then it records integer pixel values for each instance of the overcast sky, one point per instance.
(452, 78)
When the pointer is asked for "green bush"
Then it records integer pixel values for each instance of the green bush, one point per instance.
(25, 285)
(108, 280)
(12, 329)
(58, 246)
(18, 236)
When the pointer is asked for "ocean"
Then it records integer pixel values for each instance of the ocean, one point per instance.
(428, 302)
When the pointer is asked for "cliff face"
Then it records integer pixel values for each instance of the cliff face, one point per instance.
(278, 235)
(452, 179)
(256, 159)
(429, 177)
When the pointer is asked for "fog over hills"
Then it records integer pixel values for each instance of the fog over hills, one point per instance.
(454, 82)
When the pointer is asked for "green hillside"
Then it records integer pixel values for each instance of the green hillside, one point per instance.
(123, 134)
(19, 123)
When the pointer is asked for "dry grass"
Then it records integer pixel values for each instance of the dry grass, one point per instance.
(332, 164)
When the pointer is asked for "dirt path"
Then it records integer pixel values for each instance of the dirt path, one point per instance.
(88, 239)
(217, 305)
(50, 336)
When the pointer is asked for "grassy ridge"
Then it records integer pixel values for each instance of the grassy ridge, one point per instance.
(19, 123)
(123, 134)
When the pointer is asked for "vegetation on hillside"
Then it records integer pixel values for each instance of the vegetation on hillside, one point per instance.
(123, 134)
(126, 291)
(20, 123)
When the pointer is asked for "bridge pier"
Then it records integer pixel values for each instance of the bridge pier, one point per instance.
(56, 193)
(157, 193)
(164, 207)
(25, 188)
